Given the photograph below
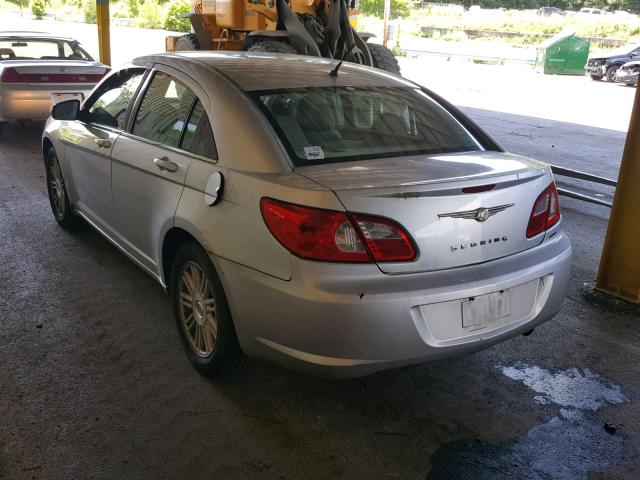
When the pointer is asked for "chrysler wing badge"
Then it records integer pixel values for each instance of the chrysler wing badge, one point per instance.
(479, 214)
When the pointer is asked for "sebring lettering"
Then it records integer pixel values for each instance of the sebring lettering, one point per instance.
(481, 243)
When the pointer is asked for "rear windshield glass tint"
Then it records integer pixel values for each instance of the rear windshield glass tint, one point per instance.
(41, 49)
(333, 124)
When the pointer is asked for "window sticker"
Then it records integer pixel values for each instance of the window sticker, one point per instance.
(313, 153)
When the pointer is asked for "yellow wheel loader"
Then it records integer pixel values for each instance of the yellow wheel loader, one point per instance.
(307, 27)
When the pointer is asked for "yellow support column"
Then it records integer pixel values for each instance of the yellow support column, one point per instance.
(385, 16)
(104, 38)
(619, 272)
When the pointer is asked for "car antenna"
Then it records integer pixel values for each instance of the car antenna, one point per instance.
(334, 72)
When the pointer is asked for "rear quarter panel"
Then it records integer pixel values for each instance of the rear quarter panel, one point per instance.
(253, 166)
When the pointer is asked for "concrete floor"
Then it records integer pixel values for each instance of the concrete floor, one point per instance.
(94, 383)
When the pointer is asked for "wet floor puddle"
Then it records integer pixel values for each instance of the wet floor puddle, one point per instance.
(567, 447)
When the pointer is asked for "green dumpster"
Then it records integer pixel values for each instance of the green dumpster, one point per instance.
(563, 54)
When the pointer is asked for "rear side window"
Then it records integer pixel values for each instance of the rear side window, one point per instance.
(339, 124)
(113, 97)
(164, 110)
(198, 137)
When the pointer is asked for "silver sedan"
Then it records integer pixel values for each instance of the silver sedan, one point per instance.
(37, 69)
(332, 218)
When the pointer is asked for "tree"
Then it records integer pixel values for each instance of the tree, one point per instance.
(38, 9)
(89, 10)
(133, 8)
(20, 3)
(172, 22)
(399, 8)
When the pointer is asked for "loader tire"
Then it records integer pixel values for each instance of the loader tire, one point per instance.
(187, 43)
(272, 46)
(383, 58)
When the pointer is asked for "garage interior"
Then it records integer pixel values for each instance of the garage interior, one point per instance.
(94, 384)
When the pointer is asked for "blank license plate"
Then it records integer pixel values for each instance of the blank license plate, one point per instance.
(63, 97)
(486, 309)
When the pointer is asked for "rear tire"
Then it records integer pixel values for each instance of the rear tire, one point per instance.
(611, 73)
(202, 314)
(188, 42)
(383, 58)
(272, 46)
(597, 78)
(58, 197)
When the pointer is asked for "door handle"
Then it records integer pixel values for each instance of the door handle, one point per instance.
(103, 142)
(165, 164)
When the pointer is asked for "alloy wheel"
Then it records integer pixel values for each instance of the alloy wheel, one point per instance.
(56, 187)
(197, 309)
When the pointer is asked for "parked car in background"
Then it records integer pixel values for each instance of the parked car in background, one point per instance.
(37, 70)
(550, 11)
(606, 67)
(591, 11)
(628, 73)
(324, 216)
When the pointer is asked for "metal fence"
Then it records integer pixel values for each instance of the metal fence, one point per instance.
(567, 172)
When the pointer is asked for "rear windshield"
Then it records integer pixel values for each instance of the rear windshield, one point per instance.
(336, 124)
(41, 49)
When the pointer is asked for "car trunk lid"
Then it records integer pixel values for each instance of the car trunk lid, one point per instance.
(460, 209)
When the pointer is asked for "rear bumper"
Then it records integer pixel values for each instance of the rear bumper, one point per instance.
(350, 320)
(33, 101)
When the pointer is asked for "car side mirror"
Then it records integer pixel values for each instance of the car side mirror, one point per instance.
(67, 110)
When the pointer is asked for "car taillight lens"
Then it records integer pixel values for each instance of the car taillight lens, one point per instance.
(545, 212)
(387, 242)
(11, 75)
(332, 236)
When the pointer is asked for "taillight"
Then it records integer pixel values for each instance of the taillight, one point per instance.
(11, 75)
(545, 212)
(387, 242)
(331, 236)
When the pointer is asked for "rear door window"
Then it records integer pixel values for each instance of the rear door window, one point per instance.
(198, 137)
(164, 110)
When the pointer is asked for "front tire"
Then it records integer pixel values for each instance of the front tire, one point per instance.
(596, 78)
(202, 314)
(611, 73)
(58, 197)
(383, 58)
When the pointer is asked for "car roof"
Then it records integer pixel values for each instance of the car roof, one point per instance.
(27, 34)
(269, 71)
